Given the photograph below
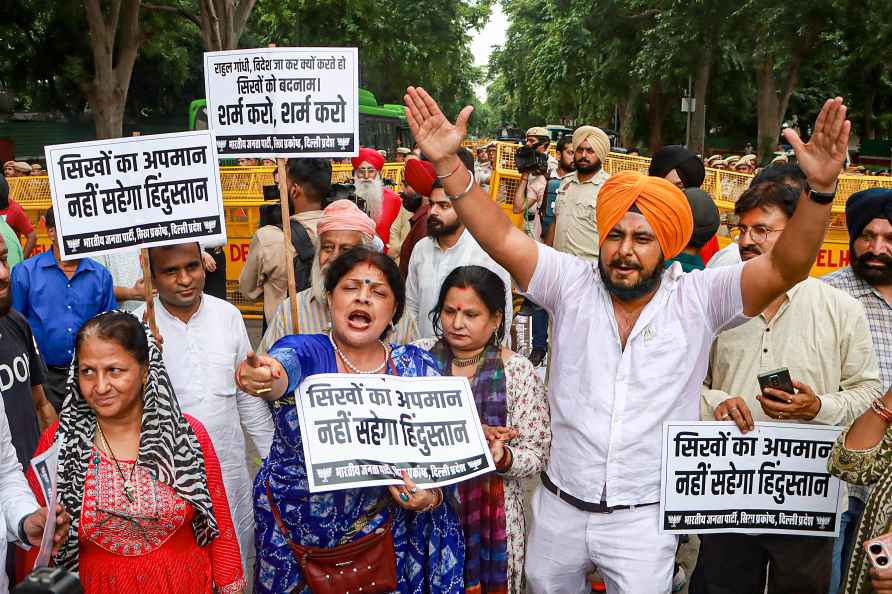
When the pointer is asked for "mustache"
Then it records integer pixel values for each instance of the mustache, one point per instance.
(884, 258)
(617, 262)
(751, 250)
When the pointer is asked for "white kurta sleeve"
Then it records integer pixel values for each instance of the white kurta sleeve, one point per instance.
(253, 412)
(17, 499)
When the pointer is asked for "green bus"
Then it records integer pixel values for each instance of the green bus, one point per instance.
(380, 126)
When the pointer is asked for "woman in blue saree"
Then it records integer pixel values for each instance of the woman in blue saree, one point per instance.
(365, 295)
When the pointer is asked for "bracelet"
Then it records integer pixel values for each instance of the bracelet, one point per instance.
(881, 411)
(451, 172)
(466, 190)
(506, 461)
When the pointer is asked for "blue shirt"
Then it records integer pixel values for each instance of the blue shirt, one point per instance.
(56, 306)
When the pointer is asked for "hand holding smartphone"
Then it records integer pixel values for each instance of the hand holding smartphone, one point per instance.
(779, 379)
(879, 552)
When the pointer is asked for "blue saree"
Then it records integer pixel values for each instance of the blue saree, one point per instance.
(429, 546)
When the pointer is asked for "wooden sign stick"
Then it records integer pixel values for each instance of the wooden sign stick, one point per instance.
(284, 200)
(147, 284)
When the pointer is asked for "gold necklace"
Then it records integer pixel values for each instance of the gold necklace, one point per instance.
(459, 362)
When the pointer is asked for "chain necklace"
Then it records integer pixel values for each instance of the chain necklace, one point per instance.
(458, 362)
(128, 486)
(349, 364)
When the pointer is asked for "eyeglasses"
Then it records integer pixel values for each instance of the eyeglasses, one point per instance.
(758, 233)
(366, 172)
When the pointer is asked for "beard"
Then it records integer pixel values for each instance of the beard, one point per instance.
(372, 191)
(873, 275)
(569, 167)
(646, 283)
(437, 228)
(317, 280)
(587, 166)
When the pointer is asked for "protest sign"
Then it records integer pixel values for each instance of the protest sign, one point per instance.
(284, 102)
(142, 191)
(772, 480)
(44, 466)
(362, 430)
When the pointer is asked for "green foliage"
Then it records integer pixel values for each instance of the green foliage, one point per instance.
(584, 60)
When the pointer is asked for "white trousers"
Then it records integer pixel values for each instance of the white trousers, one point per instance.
(566, 544)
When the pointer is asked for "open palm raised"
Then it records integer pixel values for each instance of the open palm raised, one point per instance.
(822, 158)
(437, 137)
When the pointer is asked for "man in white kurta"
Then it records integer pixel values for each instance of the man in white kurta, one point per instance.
(204, 339)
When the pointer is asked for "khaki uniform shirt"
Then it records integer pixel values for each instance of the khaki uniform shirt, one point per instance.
(576, 231)
(820, 334)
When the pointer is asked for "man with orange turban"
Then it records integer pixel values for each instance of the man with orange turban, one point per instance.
(631, 344)
(383, 204)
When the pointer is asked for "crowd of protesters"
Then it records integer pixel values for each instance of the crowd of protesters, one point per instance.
(635, 316)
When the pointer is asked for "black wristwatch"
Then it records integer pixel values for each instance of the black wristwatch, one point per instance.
(822, 197)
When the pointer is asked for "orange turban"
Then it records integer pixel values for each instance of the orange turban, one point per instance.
(662, 204)
(370, 156)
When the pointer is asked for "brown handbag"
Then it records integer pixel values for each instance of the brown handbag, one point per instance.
(366, 565)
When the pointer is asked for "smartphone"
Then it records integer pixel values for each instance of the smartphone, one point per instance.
(779, 379)
(878, 551)
(271, 192)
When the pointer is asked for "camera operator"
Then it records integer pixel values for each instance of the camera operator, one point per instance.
(533, 165)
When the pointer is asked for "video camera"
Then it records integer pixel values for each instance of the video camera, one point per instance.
(530, 160)
(49, 580)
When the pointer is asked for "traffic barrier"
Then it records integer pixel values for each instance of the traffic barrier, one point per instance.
(243, 196)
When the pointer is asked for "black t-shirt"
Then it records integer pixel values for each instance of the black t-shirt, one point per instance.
(20, 368)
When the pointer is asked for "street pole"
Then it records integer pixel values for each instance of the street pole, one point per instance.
(687, 141)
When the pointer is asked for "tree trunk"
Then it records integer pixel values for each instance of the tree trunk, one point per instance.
(870, 93)
(627, 116)
(223, 22)
(701, 86)
(112, 66)
(767, 108)
(656, 115)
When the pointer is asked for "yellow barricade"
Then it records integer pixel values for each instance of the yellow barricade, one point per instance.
(243, 196)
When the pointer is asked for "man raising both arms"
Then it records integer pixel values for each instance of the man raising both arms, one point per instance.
(631, 345)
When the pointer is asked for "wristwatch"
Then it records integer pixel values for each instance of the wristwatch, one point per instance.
(822, 197)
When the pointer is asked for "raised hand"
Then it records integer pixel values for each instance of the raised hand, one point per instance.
(437, 137)
(822, 158)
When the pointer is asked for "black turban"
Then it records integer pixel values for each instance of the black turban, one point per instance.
(865, 206)
(706, 216)
(688, 165)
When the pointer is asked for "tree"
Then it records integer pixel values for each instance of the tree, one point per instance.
(115, 39)
(221, 22)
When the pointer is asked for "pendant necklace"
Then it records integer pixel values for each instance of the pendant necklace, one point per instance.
(128, 486)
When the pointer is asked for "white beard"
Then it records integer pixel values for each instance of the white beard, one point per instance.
(372, 191)
(317, 281)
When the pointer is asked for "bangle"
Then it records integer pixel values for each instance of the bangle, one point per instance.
(466, 190)
(506, 461)
(881, 411)
(451, 172)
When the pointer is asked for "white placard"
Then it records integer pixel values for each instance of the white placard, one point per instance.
(142, 191)
(284, 102)
(362, 430)
(45, 465)
(773, 479)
